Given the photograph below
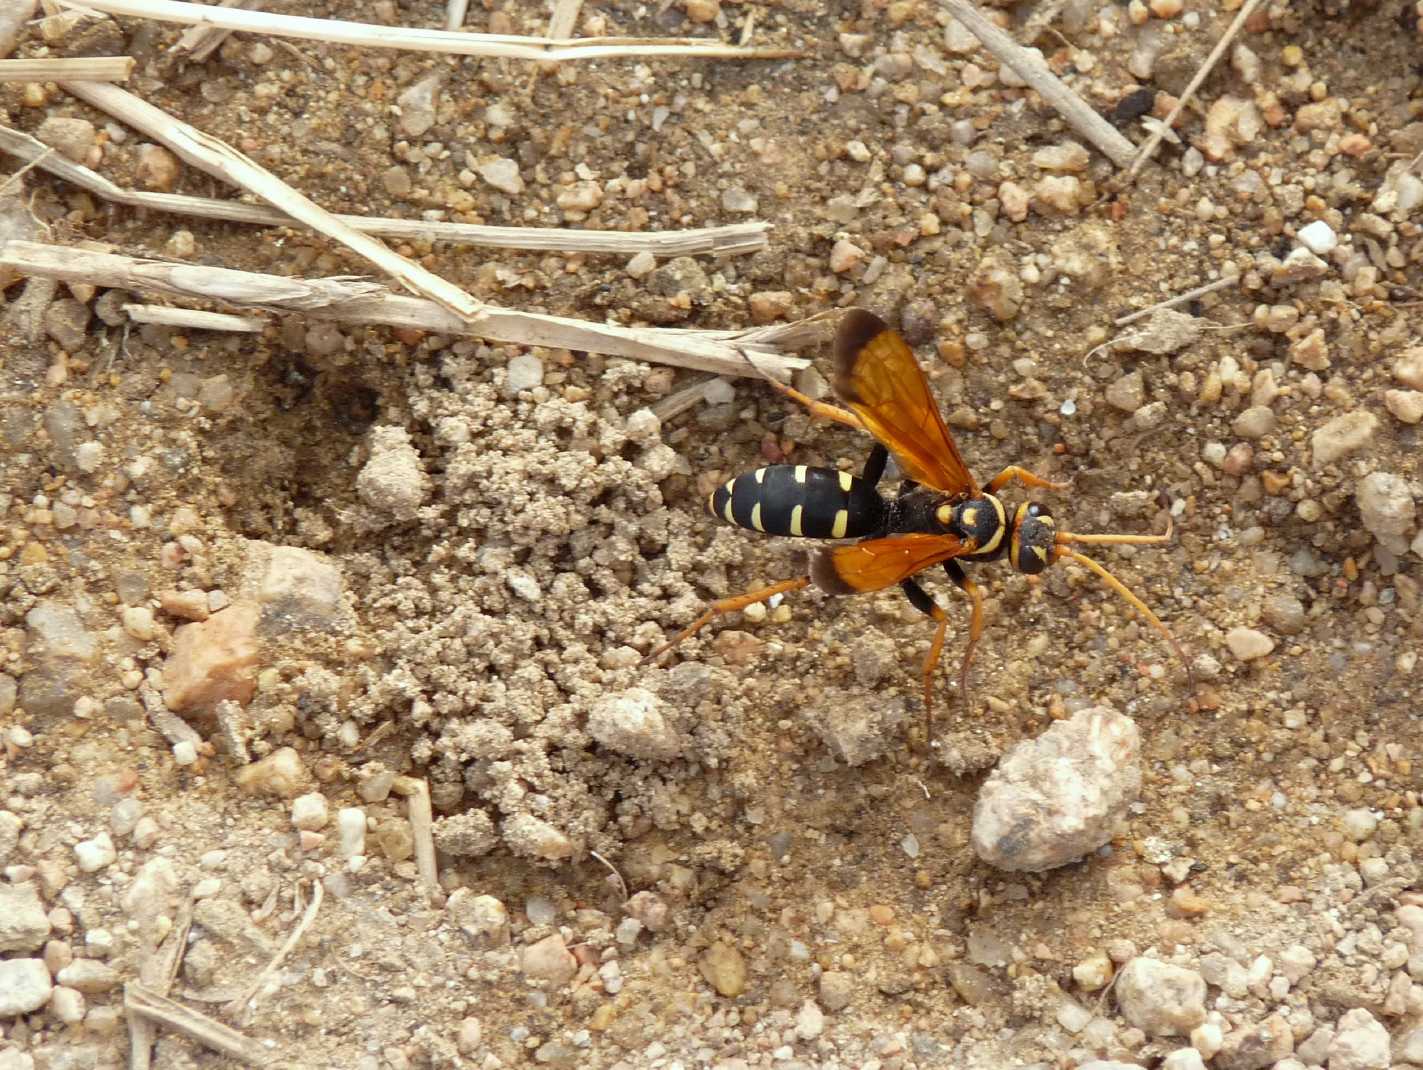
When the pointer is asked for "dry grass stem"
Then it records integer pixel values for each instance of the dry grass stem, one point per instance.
(239, 1006)
(195, 319)
(75, 69)
(1157, 135)
(614, 871)
(195, 1025)
(564, 19)
(733, 239)
(416, 39)
(222, 161)
(1080, 115)
(455, 11)
(199, 42)
(422, 828)
(1179, 299)
(358, 301)
(158, 970)
(678, 402)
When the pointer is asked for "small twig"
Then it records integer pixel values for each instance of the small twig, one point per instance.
(564, 19)
(158, 971)
(367, 35)
(422, 827)
(355, 301)
(239, 1007)
(455, 11)
(1160, 132)
(195, 319)
(197, 43)
(222, 161)
(71, 69)
(729, 240)
(1079, 115)
(689, 397)
(614, 871)
(1179, 299)
(209, 1032)
(1041, 19)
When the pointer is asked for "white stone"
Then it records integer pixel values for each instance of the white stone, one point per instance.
(185, 753)
(24, 986)
(523, 372)
(1386, 508)
(1072, 1016)
(1183, 1059)
(633, 723)
(350, 831)
(93, 855)
(24, 924)
(1161, 998)
(1056, 798)
(1247, 644)
(1207, 1038)
(641, 265)
(1360, 1043)
(810, 1021)
(1318, 237)
(310, 812)
(503, 175)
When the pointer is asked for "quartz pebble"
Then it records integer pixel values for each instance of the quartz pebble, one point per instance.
(309, 812)
(1055, 798)
(1247, 644)
(95, 854)
(1342, 436)
(25, 986)
(24, 924)
(1161, 998)
(351, 831)
(1386, 507)
(483, 918)
(1360, 1043)
(1318, 237)
(503, 175)
(633, 723)
(1405, 405)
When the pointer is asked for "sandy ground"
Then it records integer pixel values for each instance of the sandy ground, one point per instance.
(454, 554)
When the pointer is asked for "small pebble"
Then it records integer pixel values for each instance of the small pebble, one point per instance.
(1318, 237)
(1247, 644)
(309, 812)
(93, 855)
(1161, 998)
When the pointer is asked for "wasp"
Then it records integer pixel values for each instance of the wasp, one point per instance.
(940, 515)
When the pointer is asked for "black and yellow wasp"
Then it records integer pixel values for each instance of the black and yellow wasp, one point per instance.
(939, 516)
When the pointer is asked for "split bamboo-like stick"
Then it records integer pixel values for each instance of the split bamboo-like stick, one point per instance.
(68, 69)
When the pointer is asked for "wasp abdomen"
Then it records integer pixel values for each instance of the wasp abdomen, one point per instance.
(795, 499)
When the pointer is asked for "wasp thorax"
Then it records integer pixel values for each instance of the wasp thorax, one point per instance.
(1034, 535)
(981, 521)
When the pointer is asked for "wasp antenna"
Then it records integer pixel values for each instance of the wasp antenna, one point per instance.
(1135, 602)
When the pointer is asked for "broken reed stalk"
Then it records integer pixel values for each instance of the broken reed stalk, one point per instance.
(455, 11)
(1154, 141)
(416, 39)
(239, 1007)
(222, 161)
(158, 970)
(197, 43)
(421, 816)
(74, 69)
(207, 1031)
(1078, 114)
(195, 319)
(730, 240)
(362, 302)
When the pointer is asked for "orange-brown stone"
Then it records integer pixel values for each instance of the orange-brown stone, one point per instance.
(213, 661)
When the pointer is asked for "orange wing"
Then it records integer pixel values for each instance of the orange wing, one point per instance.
(877, 376)
(879, 563)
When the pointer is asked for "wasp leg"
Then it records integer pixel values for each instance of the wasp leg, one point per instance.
(818, 408)
(1022, 475)
(727, 605)
(875, 464)
(920, 600)
(975, 622)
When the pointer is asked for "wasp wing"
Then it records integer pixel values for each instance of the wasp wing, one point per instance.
(877, 376)
(879, 563)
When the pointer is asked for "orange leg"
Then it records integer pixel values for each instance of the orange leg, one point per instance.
(817, 408)
(727, 605)
(921, 601)
(1022, 475)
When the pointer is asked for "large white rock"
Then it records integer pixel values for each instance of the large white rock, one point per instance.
(1056, 798)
